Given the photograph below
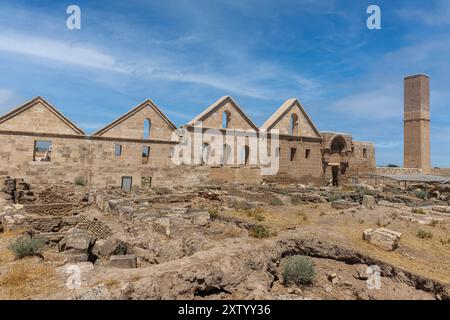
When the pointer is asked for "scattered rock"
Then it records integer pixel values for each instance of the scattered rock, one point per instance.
(383, 238)
(368, 202)
(361, 273)
(18, 206)
(99, 292)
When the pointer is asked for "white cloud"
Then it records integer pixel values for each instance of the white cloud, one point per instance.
(57, 50)
(374, 103)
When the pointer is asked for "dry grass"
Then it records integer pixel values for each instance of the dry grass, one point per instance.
(427, 258)
(109, 283)
(6, 238)
(27, 278)
(283, 217)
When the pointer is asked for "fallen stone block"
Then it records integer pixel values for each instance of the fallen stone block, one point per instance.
(74, 256)
(123, 261)
(109, 247)
(79, 240)
(368, 202)
(383, 238)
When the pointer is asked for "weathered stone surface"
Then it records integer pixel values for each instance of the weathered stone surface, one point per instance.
(11, 222)
(368, 202)
(74, 256)
(109, 247)
(163, 224)
(79, 240)
(123, 261)
(200, 218)
(442, 209)
(383, 238)
(99, 292)
(82, 266)
(342, 205)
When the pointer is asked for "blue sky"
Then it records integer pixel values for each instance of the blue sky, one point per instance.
(184, 55)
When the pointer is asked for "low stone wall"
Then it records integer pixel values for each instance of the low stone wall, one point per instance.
(441, 172)
(389, 170)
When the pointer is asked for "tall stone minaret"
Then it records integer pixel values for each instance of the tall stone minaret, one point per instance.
(417, 123)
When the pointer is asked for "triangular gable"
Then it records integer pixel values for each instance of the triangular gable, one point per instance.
(28, 118)
(283, 110)
(135, 110)
(217, 105)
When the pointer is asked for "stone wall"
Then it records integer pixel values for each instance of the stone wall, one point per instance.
(441, 172)
(388, 170)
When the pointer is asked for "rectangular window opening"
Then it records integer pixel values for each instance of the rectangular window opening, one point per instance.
(145, 154)
(118, 150)
(42, 151)
(127, 183)
(307, 153)
(293, 151)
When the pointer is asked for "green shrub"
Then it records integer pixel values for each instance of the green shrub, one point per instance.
(80, 181)
(299, 270)
(276, 202)
(259, 232)
(422, 194)
(362, 191)
(422, 234)
(334, 197)
(26, 246)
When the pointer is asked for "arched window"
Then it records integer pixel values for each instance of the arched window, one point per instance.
(226, 119)
(293, 125)
(147, 128)
(338, 144)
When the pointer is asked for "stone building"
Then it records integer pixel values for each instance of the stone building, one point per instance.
(139, 148)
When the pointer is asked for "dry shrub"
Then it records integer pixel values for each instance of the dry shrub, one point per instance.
(255, 213)
(259, 232)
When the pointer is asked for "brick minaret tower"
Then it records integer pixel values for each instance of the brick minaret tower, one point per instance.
(417, 123)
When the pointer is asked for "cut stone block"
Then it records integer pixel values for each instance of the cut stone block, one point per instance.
(123, 261)
(383, 238)
(368, 202)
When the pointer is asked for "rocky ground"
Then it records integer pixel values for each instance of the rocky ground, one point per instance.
(225, 242)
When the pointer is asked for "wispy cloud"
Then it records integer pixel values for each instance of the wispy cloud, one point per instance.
(438, 15)
(55, 50)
